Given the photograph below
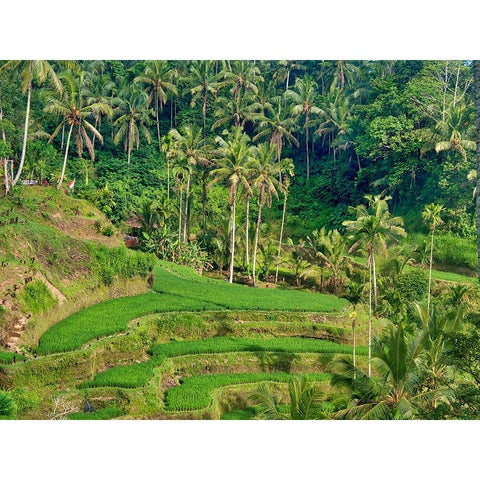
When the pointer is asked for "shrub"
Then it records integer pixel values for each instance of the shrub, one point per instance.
(7, 405)
(36, 297)
(101, 414)
(413, 285)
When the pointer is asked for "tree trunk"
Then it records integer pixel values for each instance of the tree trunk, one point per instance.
(247, 225)
(185, 218)
(306, 138)
(232, 239)
(257, 233)
(281, 234)
(430, 273)
(374, 280)
(65, 157)
(370, 320)
(180, 218)
(25, 134)
(476, 82)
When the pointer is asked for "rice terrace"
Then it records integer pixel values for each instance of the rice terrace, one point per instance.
(239, 240)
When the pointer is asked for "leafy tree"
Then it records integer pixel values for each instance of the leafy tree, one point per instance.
(70, 105)
(30, 71)
(235, 154)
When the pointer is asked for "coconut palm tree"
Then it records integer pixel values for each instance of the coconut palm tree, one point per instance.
(284, 70)
(242, 76)
(374, 226)
(155, 78)
(31, 71)
(398, 390)
(190, 151)
(70, 105)
(133, 117)
(302, 97)
(233, 165)
(266, 184)
(431, 213)
(202, 85)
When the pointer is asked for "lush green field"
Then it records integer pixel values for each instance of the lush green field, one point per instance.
(101, 414)
(195, 392)
(183, 281)
(138, 374)
(7, 358)
(178, 289)
(108, 318)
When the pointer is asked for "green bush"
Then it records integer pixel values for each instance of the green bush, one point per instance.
(413, 285)
(36, 297)
(7, 405)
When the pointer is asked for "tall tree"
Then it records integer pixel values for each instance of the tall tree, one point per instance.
(156, 80)
(70, 105)
(235, 154)
(133, 117)
(266, 184)
(373, 226)
(431, 213)
(302, 97)
(30, 71)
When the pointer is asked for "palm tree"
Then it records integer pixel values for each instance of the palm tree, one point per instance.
(397, 393)
(304, 401)
(241, 76)
(133, 117)
(203, 85)
(235, 155)
(330, 249)
(70, 105)
(266, 184)
(190, 150)
(155, 78)
(302, 97)
(277, 127)
(373, 226)
(30, 71)
(285, 68)
(431, 213)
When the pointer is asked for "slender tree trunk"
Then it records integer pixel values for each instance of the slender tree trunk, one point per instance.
(476, 82)
(257, 233)
(370, 320)
(180, 219)
(204, 200)
(158, 125)
(247, 225)
(281, 235)
(185, 218)
(65, 157)
(232, 239)
(63, 138)
(354, 345)
(374, 279)
(308, 156)
(25, 135)
(430, 273)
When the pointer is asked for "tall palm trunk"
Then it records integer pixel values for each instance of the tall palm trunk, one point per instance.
(476, 81)
(25, 135)
(370, 320)
(430, 272)
(185, 218)
(372, 257)
(247, 225)
(281, 235)
(257, 233)
(65, 157)
(306, 138)
(232, 238)
(180, 218)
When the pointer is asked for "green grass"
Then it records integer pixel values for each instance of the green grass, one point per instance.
(138, 374)
(108, 318)
(185, 282)
(195, 393)
(181, 289)
(6, 358)
(101, 414)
